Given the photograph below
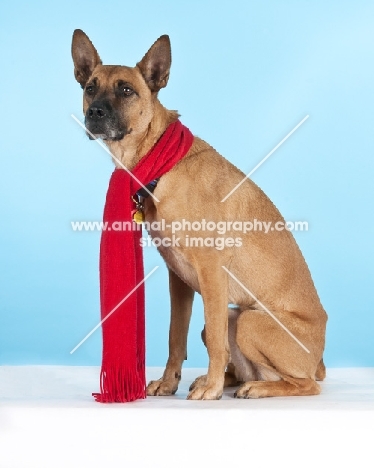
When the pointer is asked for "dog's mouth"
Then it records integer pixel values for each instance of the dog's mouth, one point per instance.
(113, 136)
(94, 132)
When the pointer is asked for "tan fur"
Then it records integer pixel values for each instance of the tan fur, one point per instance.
(249, 345)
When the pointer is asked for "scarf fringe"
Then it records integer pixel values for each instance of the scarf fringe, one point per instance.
(119, 384)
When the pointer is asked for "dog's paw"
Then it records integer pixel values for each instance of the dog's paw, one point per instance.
(205, 392)
(199, 382)
(162, 387)
(252, 390)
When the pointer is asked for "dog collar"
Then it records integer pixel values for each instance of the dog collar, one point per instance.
(150, 187)
(138, 198)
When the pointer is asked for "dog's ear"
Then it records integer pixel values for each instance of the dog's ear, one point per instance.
(155, 65)
(85, 57)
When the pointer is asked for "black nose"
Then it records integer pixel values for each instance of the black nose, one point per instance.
(99, 109)
(96, 112)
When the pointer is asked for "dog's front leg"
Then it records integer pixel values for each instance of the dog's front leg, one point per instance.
(181, 298)
(214, 290)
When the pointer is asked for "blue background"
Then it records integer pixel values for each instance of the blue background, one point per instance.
(243, 75)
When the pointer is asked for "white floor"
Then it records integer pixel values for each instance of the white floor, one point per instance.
(49, 419)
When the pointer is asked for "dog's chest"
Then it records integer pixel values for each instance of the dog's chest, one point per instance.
(170, 247)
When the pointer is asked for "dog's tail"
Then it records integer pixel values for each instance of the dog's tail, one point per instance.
(321, 371)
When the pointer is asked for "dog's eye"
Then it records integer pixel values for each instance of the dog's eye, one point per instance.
(90, 89)
(127, 91)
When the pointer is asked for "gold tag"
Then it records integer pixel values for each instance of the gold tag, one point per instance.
(138, 217)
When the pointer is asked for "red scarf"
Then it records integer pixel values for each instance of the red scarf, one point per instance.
(122, 375)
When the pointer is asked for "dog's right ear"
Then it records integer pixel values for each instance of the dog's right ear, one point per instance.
(85, 57)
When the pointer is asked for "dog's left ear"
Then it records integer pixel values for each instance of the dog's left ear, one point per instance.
(85, 57)
(155, 65)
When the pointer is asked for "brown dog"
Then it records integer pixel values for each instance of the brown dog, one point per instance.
(121, 106)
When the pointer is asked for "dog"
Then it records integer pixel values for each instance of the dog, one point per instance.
(246, 346)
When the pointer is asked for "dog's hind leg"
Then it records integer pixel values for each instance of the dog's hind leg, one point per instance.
(265, 343)
(299, 387)
(181, 296)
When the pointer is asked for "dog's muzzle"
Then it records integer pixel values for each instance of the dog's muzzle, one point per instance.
(101, 122)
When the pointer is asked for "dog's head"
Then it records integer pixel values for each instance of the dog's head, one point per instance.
(119, 100)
